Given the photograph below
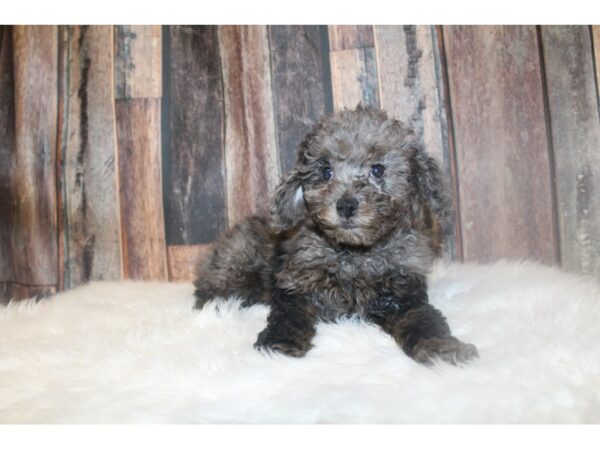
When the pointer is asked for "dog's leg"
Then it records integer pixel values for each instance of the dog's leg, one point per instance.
(418, 328)
(290, 325)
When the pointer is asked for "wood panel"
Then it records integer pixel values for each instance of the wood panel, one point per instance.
(7, 150)
(596, 40)
(195, 205)
(250, 146)
(347, 37)
(353, 66)
(354, 78)
(138, 54)
(411, 90)
(29, 69)
(298, 59)
(501, 143)
(408, 82)
(184, 260)
(142, 219)
(90, 218)
(573, 104)
(17, 291)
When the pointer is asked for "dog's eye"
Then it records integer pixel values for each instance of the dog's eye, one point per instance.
(327, 173)
(377, 170)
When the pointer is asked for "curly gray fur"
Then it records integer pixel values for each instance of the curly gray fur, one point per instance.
(354, 229)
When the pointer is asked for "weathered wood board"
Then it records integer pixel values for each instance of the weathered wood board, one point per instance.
(573, 104)
(298, 59)
(90, 217)
(250, 145)
(596, 39)
(347, 37)
(140, 185)
(353, 66)
(184, 260)
(411, 90)
(502, 150)
(28, 226)
(16, 291)
(7, 150)
(138, 61)
(194, 169)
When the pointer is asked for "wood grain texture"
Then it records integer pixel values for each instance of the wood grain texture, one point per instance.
(16, 291)
(353, 66)
(138, 61)
(298, 80)
(408, 83)
(90, 219)
(573, 104)
(501, 143)
(7, 151)
(195, 205)
(142, 218)
(411, 90)
(346, 37)
(596, 40)
(450, 164)
(354, 78)
(28, 121)
(250, 146)
(184, 260)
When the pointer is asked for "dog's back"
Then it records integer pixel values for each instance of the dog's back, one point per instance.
(240, 264)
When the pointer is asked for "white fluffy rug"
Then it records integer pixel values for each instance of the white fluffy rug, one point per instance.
(137, 352)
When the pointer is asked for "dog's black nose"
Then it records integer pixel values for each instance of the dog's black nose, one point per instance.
(346, 206)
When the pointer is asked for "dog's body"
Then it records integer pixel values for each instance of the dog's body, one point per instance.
(354, 229)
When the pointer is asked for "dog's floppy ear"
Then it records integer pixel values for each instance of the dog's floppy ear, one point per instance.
(288, 207)
(431, 203)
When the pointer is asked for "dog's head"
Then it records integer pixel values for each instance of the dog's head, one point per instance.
(360, 176)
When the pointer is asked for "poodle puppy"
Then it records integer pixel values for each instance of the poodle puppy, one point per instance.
(353, 230)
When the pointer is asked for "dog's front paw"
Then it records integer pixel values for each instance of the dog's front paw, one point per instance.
(288, 347)
(447, 349)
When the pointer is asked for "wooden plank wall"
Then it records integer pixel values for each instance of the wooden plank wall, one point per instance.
(495, 79)
(28, 224)
(573, 108)
(150, 141)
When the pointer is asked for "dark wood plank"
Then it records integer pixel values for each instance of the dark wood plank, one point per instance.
(501, 143)
(195, 205)
(298, 79)
(28, 69)
(573, 104)
(64, 37)
(411, 89)
(353, 66)
(250, 148)
(346, 37)
(184, 260)
(90, 220)
(16, 291)
(138, 54)
(142, 219)
(7, 151)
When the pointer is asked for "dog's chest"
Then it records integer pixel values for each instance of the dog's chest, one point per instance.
(341, 282)
(350, 283)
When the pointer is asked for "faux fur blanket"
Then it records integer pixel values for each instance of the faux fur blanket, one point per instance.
(137, 352)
